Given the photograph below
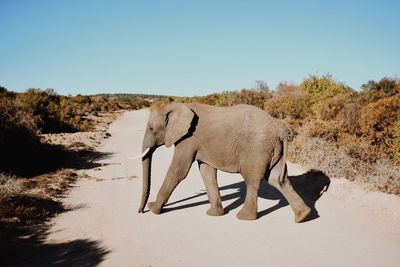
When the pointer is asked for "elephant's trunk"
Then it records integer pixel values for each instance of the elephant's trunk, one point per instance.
(146, 166)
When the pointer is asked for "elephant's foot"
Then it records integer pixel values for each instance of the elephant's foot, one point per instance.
(154, 207)
(302, 214)
(215, 211)
(246, 214)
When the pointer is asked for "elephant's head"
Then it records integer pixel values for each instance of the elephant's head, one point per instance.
(166, 126)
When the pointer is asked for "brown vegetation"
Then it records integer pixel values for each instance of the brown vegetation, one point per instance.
(36, 170)
(24, 116)
(345, 133)
(24, 210)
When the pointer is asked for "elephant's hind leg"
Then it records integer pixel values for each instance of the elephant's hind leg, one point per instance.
(209, 175)
(250, 206)
(300, 209)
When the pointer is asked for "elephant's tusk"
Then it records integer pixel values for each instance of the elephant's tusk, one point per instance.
(141, 155)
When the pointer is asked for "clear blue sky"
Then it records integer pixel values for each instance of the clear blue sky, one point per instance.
(188, 48)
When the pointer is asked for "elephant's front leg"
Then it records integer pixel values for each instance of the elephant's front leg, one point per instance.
(178, 170)
(209, 175)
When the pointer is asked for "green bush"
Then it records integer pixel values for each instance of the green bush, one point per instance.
(323, 88)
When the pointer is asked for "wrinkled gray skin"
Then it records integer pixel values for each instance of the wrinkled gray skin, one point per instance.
(240, 139)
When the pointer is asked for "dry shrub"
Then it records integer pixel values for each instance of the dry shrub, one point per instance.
(349, 116)
(9, 186)
(18, 133)
(317, 153)
(249, 97)
(53, 113)
(23, 116)
(184, 99)
(292, 104)
(134, 105)
(373, 91)
(28, 200)
(396, 142)
(378, 121)
(331, 107)
(315, 127)
(245, 96)
(285, 87)
(14, 120)
(340, 134)
(225, 99)
(208, 99)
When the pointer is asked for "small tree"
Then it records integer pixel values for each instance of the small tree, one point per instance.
(285, 87)
(373, 91)
(261, 86)
(386, 85)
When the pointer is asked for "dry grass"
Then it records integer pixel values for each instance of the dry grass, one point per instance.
(28, 202)
(316, 153)
(41, 151)
(48, 171)
(25, 208)
(47, 187)
(344, 133)
(9, 186)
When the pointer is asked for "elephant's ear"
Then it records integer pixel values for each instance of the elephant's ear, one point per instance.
(178, 121)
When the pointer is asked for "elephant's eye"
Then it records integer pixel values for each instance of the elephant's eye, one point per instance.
(151, 128)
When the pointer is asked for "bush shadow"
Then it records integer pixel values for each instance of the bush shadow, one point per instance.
(24, 218)
(310, 186)
(40, 158)
(22, 237)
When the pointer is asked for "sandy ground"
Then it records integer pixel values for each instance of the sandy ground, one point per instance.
(87, 140)
(349, 226)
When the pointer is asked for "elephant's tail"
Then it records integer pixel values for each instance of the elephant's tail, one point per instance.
(282, 176)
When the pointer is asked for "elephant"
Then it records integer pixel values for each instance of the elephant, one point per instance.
(239, 139)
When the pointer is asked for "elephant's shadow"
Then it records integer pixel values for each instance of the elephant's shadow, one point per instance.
(310, 186)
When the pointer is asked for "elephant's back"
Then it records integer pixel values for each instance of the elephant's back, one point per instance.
(240, 122)
(237, 112)
(244, 116)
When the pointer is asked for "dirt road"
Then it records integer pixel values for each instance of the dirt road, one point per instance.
(349, 227)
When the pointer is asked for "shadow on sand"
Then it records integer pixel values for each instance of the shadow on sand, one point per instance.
(310, 186)
(23, 243)
(49, 158)
(24, 219)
